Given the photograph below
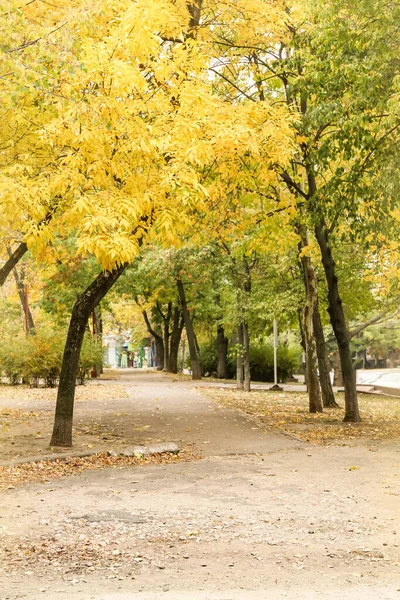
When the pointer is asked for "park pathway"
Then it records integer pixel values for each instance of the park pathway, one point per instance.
(161, 409)
(260, 517)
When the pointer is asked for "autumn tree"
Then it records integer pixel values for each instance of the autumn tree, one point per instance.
(136, 116)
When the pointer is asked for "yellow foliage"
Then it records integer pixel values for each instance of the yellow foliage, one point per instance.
(113, 121)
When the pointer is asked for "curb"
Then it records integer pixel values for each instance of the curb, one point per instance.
(136, 452)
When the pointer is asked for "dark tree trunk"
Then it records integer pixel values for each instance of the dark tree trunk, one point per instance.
(314, 392)
(245, 328)
(339, 326)
(158, 340)
(303, 344)
(194, 357)
(30, 325)
(328, 397)
(175, 340)
(338, 376)
(12, 261)
(246, 358)
(100, 334)
(85, 304)
(166, 333)
(222, 351)
(311, 303)
(167, 320)
(183, 353)
(159, 353)
(239, 359)
(97, 334)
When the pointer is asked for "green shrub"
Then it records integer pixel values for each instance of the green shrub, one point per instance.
(92, 353)
(43, 356)
(38, 358)
(13, 352)
(261, 361)
(208, 357)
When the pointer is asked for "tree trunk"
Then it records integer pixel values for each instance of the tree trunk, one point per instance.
(158, 340)
(314, 392)
(194, 357)
(339, 326)
(85, 304)
(328, 397)
(239, 359)
(166, 333)
(97, 334)
(166, 347)
(222, 351)
(12, 261)
(30, 325)
(159, 353)
(337, 369)
(300, 317)
(183, 353)
(175, 340)
(246, 358)
(101, 336)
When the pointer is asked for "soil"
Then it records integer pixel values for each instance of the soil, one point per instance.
(259, 516)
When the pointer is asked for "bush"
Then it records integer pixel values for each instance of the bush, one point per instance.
(261, 361)
(208, 357)
(43, 356)
(37, 358)
(92, 353)
(12, 356)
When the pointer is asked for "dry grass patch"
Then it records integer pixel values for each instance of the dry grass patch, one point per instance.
(288, 412)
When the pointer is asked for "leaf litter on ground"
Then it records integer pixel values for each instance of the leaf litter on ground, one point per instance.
(91, 391)
(44, 471)
(288, 412)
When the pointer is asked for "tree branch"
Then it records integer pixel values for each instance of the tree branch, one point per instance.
(14, 258)
(293, 185)
(382, 317)
(152, 332)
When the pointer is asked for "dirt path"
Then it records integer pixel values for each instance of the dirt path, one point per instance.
(261, 517)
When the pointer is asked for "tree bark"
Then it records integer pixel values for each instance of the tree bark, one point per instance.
(239, 359)
(314, 392)
(338, 376)
(300, 317)
(194, 356)
(159, 353)
(222, 351)
(85, 304)
(12, 261)
(166, 333)
(175, 340)
(23, 299)
(246, 358)
(158, 340)
(339, 326)
(97, 334)
(328, 397)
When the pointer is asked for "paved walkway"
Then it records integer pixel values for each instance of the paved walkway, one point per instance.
(261, 517)
(167, 410)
